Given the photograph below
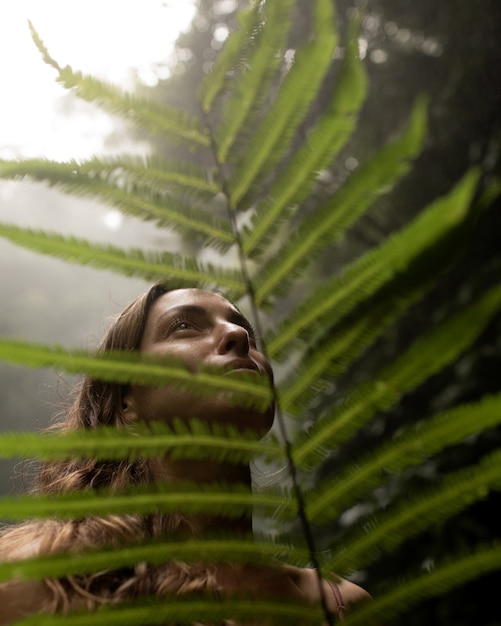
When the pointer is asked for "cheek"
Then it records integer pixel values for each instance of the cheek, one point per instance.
(265, 365)
(189, 353)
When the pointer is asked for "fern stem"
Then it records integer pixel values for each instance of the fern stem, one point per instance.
(249, 287)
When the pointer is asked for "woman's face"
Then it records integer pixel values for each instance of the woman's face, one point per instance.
(202, 329)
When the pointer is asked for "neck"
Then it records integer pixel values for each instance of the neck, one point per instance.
(206, 473)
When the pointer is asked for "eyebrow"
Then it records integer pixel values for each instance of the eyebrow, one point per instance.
(187, 309)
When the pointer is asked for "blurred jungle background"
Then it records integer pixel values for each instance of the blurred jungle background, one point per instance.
(448, 50)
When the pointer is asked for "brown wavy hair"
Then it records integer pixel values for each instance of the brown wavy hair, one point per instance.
(101, 403)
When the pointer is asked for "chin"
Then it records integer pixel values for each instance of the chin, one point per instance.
(242, 418)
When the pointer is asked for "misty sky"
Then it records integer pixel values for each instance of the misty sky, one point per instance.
(117, 40)
(43, 299)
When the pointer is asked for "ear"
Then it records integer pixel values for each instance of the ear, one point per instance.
(129, 410)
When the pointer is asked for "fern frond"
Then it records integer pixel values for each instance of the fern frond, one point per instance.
(211, 550)
(144, 204)
(230, 56)
(412, 515)
(187, 609)
(227, 500)
(251, 83)
(125, 172)
(246, 390)
(165, 211)
(159, 120)
(254, 110)
(316, 372)
(427, 355)
(409, 450)
(332, 353)
(325, 140)
(178, 270)
(328, 223)
(187, 439)
(407, 593)
(333, 300)
(270, 140)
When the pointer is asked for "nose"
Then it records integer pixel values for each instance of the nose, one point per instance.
(233, 338)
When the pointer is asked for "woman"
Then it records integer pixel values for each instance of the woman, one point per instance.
(201, 329)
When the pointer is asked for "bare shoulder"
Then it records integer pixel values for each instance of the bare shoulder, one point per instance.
(350, 596)
(351, 593)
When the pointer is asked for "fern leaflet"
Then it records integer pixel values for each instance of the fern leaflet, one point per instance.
(375, 268)
(325, 140)
(272, 137)
(177, 269)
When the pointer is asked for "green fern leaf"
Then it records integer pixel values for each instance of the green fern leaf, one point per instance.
(331, 356)
(142, 203)
(179, 271)
(230, 56)
(324, 142)
(226, 500)
(427, 355)
(246, 88)
(124, 172)
(413, 515)
(332, 353)
(409, 450)
(408, 593)
(211, 550)
(184, 610)
(271, 139)
(329, 222)
(193, 439)
(159, 120)
(246, 390)
(247, 129)
(338, 297)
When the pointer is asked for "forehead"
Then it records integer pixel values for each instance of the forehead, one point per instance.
(173, 300)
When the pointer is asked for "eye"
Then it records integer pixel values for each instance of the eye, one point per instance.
(252, 333)
(180, 324)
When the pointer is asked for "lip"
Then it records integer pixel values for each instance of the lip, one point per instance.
(242, 365)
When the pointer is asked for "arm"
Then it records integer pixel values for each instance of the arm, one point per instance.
(348, 594)
(340, 594)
